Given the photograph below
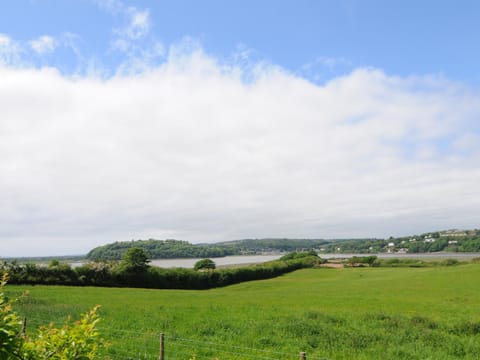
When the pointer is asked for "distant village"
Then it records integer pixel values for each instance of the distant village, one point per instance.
(453, 240)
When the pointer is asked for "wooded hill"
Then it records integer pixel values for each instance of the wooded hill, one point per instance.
(450, 240)
(168, 249)
(159, 249)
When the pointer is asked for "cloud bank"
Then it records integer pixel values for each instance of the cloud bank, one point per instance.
(188, 150)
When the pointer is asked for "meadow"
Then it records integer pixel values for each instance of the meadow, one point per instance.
(351, 313)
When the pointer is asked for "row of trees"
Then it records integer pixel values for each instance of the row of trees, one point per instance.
(134, 271)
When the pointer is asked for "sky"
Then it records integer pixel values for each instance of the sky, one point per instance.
(213, 121)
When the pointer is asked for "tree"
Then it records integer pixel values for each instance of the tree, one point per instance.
(54, 263)
(204, 264)
(135, 261)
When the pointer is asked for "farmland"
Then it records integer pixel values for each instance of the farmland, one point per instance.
(352, 313)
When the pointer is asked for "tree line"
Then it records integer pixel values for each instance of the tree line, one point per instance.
(134, 271)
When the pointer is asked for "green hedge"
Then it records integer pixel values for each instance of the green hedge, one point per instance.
(112, 275)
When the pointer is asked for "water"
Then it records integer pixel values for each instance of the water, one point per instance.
(257, 259)
(222, 261)
(420, 256)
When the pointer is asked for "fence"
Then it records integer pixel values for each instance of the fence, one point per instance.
(219, 350)
(147, 344)
(163, 347)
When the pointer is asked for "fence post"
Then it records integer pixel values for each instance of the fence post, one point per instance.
(162, 347)
(24, 326)
(303, 356)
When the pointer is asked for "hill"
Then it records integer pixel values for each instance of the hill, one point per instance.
(159, 249)
(273, 244)
(168, 249)
(447, 240)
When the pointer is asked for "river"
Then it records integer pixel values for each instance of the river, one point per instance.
(222, 261)
(257, 259)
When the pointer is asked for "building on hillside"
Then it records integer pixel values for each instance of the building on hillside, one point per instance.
(453, 233)
(429, 239)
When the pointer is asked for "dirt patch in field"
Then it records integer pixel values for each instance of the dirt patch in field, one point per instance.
(333, 265)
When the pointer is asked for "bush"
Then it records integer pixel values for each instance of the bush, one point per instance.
(10, 325)
(298, 255)
(80, 341)
(362, 260)
(450, 262)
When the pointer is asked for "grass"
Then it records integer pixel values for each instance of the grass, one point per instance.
(355, 313)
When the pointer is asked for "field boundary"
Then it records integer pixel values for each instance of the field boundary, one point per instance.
(153, 345)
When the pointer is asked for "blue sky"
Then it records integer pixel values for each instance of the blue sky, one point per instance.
(212, 121)
(318, 39)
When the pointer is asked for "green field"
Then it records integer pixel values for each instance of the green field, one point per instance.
(354, 313)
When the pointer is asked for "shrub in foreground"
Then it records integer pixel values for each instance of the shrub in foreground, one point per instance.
(80, 341)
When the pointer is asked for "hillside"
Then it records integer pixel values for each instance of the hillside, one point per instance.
(273, 244)
(448, 240)
(159, 249)
(167, 249)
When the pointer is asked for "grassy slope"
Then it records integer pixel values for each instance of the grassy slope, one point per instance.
(363, 313)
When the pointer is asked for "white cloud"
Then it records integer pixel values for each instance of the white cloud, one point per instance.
(188, 150)
(43, 44)
(140, 23)
(24, 54)
(332, 62)
(112, 6)
(137, 27)
(5, 41)
(9, 50)
(324, 67)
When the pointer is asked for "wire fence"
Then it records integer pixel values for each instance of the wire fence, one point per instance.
(150, 344)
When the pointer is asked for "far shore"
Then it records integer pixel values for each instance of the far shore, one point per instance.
(245, 260)
(420, 256)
